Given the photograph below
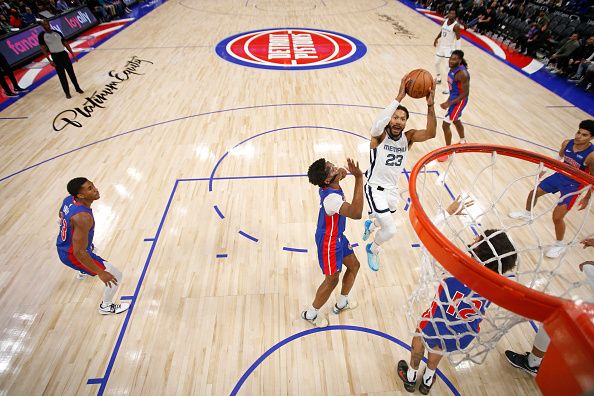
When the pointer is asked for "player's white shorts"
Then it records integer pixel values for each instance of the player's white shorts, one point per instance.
(382, 200)
(444, 52)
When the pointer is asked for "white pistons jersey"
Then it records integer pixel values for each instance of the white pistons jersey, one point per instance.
(386, 162)
(448, 36)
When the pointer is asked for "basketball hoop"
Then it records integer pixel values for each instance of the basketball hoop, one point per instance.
(568, 366)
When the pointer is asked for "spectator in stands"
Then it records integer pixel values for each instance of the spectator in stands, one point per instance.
(588, 81)
(28, 17)
(62, 6)
(486, 20)
(583, 60)
(4, 25)
(529, 38)
(542, 19)
(15, 19)
(559, 61)
(475, 13)
(99, 11)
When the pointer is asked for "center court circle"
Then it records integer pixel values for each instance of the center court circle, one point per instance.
(291, 49)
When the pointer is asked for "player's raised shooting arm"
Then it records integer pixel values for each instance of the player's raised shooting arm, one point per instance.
(81, 224)
(354, 210)
(383, 119)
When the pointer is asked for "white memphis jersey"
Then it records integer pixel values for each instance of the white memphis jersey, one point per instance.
(448, 36)
(387, 161)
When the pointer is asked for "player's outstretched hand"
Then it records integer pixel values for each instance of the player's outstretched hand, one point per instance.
(457, 207)
(108, 278)
(584, 202)
(588, 242)
(431, 96)
(402, 90)
(353, 167)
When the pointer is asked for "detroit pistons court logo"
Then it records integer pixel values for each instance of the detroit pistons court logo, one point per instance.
(291, 49)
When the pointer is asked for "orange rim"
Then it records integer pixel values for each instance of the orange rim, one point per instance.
(499, 289)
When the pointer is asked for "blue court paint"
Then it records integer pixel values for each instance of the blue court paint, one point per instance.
(297, 250)
(148, 239)
(92, 381)
(214, 169)
(127, 297)
(248, 236)
(216, 208)
(13, 118)
(129, 312)
(222, 255)
(558, 107)
(294, 337)
(415, 245)
(237, 109)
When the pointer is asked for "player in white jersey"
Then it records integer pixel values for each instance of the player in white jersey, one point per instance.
(388, 151)
(449, 40)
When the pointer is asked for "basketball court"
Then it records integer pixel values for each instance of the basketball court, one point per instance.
(200, 158)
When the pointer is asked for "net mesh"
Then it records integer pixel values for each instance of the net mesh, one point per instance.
(450, 318)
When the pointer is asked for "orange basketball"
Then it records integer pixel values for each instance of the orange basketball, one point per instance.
(419, 84)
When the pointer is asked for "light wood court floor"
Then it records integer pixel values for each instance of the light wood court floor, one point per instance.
(199, 320)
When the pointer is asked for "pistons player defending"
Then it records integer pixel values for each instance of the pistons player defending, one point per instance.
(459, 84)
(387, 156)
(75, 242)
(453, 320)
(449, 40)
(577, 152)
(334, 248)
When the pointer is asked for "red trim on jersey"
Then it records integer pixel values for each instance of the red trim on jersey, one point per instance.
(329, 245)
(457, 110)
(80, 265)
(430, 311)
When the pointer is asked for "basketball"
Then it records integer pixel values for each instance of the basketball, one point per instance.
(419, 83)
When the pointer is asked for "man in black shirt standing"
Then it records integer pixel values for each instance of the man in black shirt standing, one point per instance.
(53, 42)
(5, 70)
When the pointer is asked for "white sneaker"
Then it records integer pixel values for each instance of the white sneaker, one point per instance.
(556, 250)
(81, 275)
(113, 309)
(319, 321)
(351, 304)
(520, 215)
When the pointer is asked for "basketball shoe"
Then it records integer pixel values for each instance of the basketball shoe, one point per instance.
(520, 215)
(521, 362)
(556, 250)
(425, 388)
(81, 275)
(319, 321)
(367, 230)
(372, 258)
(113, 309)
(402, 371)
(349, 305)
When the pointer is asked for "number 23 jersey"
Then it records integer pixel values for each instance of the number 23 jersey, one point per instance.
(387, 161)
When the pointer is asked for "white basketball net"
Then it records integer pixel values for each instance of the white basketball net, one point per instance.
(487, 180)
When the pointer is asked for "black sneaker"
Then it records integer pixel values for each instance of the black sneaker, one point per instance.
(402, 370)
(79, 90)
(424, 389)
(68, 96)
(10, 94)
(521, 362)
(19, 89)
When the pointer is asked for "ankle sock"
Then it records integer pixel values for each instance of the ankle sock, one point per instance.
(411, 375)
(342, 301)
(428, 376)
